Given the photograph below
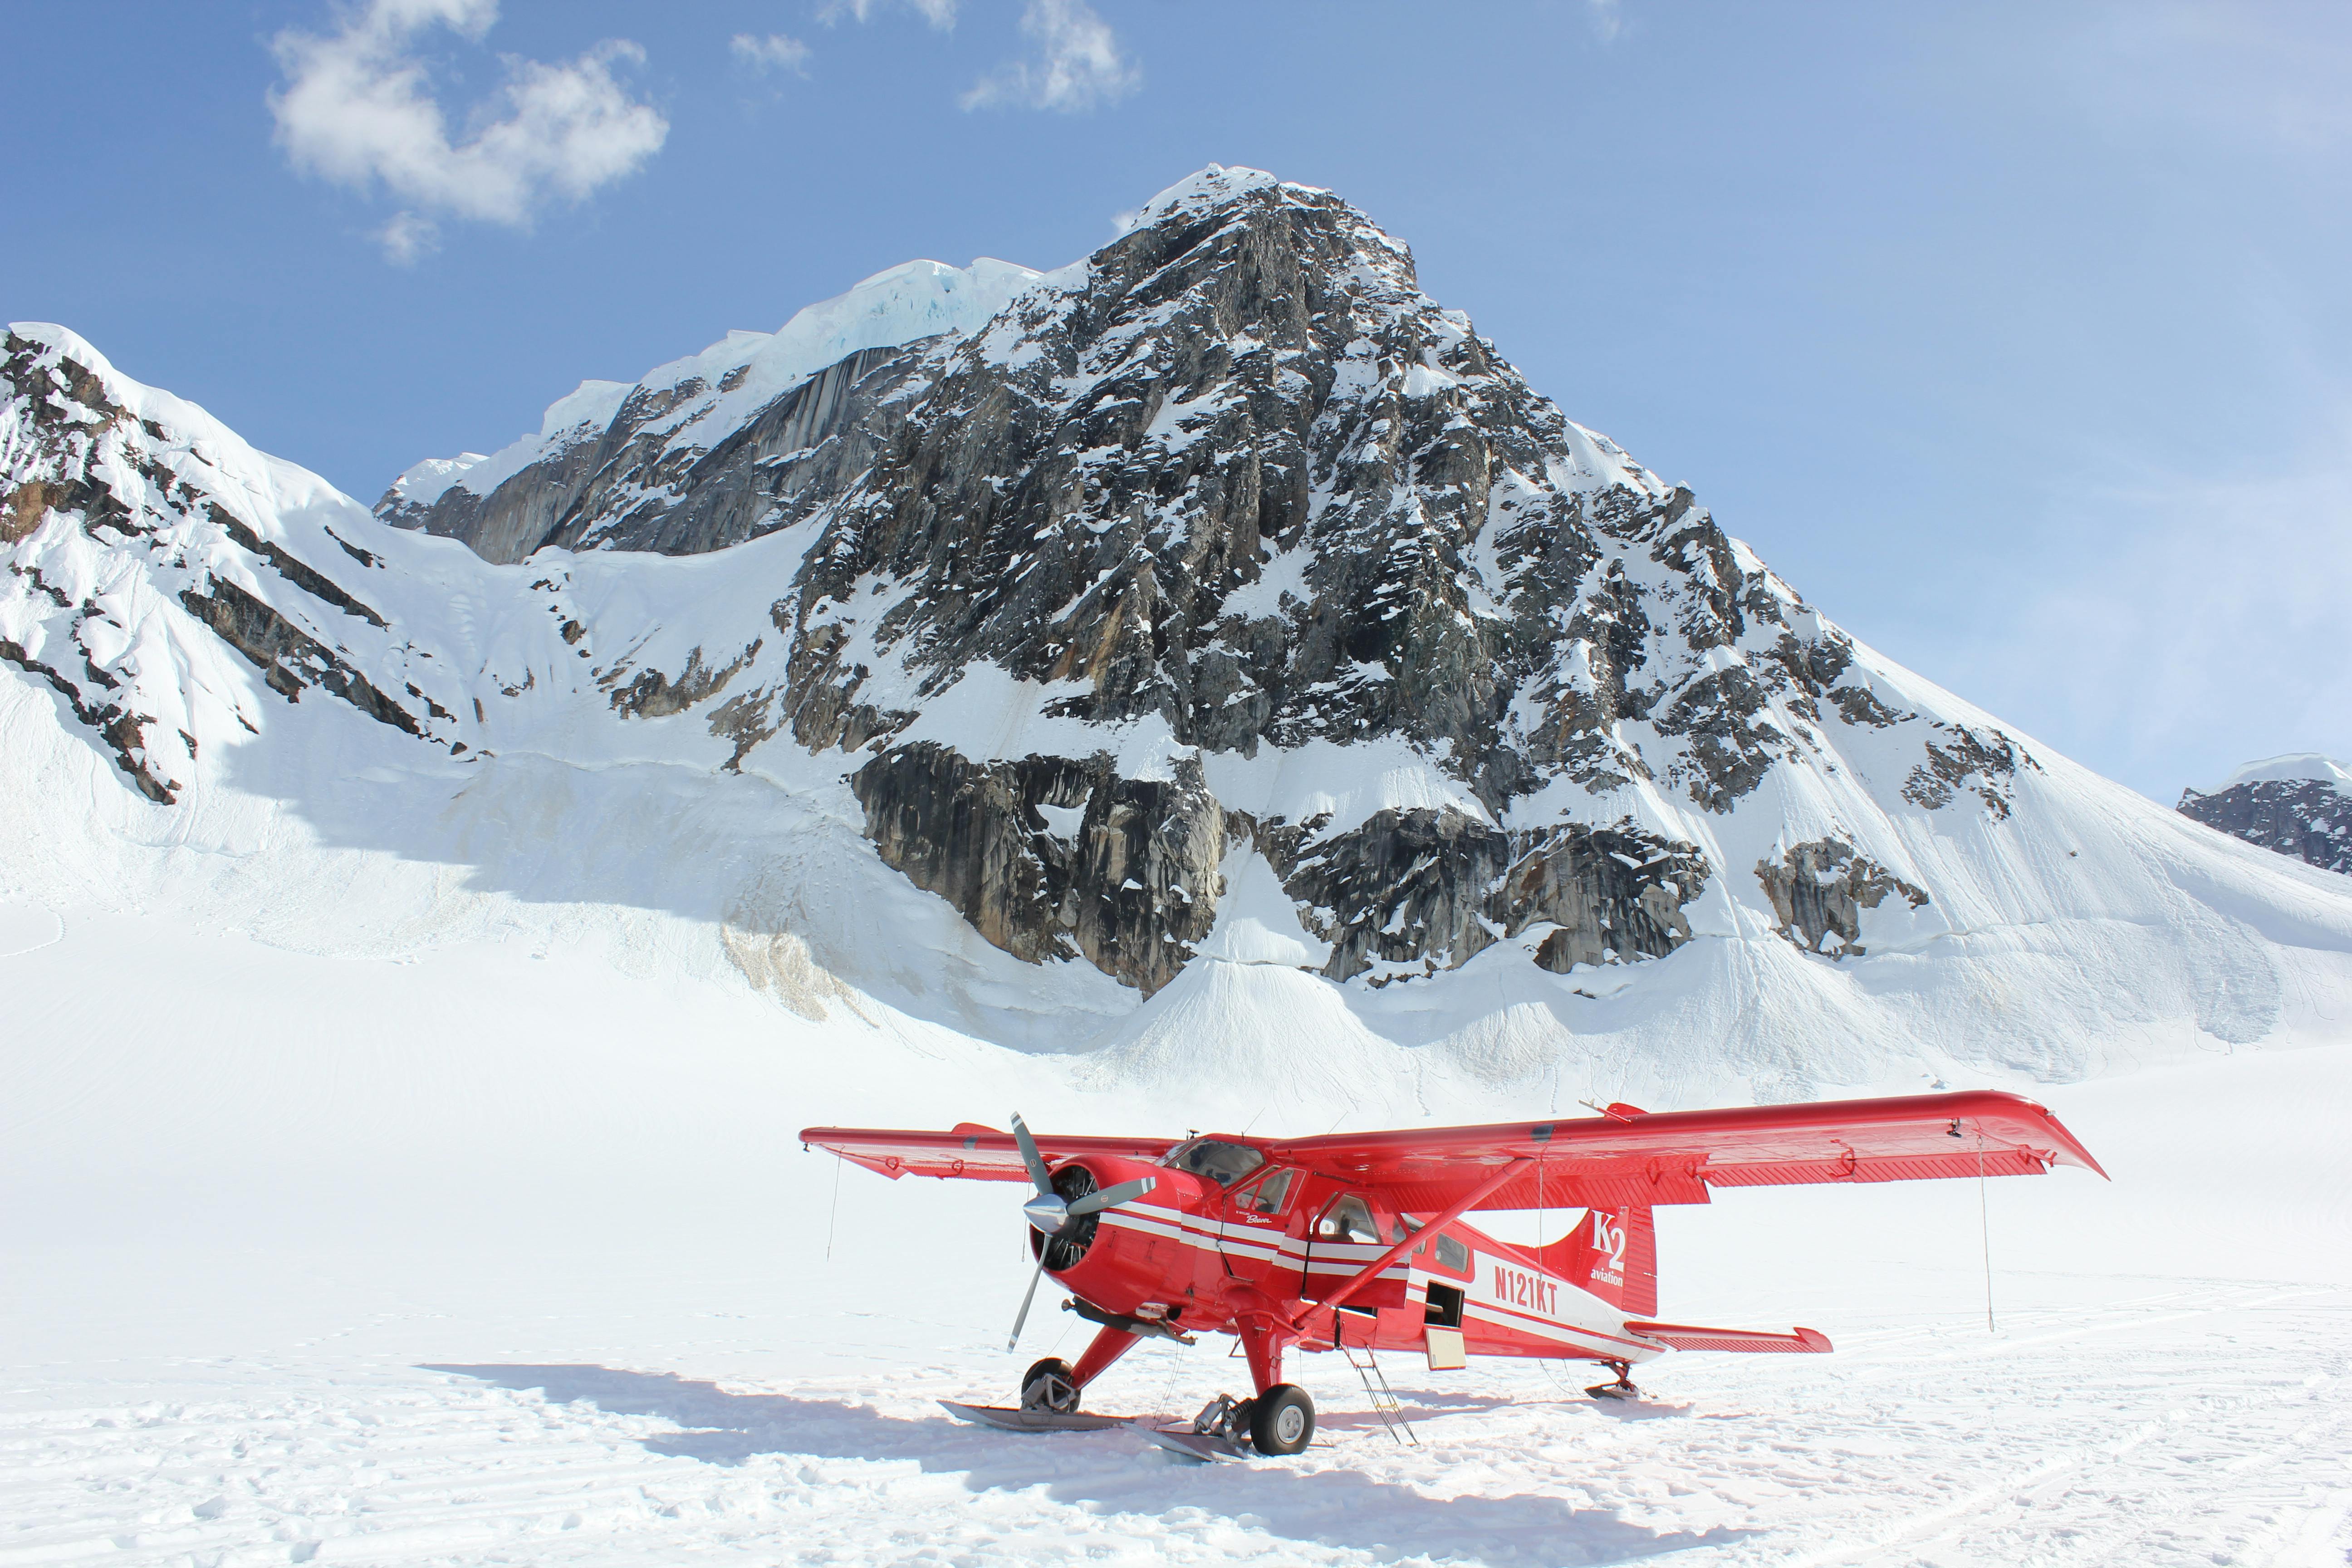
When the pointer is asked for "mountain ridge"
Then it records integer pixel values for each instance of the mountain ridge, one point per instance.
(1220, 607)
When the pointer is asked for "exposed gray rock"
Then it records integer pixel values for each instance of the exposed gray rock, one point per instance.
(2308, 818)
(1433, 889)
(633, 485)
(1990, 758)
(1819, 889)
(291, 660)
(653, 695)
(1130, 890)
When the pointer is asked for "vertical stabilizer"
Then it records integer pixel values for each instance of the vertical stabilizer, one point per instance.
(1613, 1254)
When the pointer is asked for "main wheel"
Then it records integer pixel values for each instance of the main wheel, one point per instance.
(1047, 1386)
(1282, 1420)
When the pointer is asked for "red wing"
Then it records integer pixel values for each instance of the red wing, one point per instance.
(974, 1152)
(1676, 1157)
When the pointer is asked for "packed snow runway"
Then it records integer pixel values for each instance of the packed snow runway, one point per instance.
(2192, 1422)
(495, 1257)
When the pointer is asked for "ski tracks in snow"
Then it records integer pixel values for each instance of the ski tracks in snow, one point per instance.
(2189, 1422)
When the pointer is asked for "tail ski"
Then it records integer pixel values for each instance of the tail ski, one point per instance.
(1612, 1253)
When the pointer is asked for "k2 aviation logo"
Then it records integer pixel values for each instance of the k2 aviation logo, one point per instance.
(1608, 1250)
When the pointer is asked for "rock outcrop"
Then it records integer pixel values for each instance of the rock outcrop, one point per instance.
(2299, 806)
(1819, 891)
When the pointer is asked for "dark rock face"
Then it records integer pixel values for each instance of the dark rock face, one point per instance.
(290, 660)
(1128, 880)
(1962, 755)
(1819, 889)
(1050, 858)
(2310, 819)
(632, 486)
(1431, 890)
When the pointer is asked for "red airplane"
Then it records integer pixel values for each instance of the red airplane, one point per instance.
(1356, 1240)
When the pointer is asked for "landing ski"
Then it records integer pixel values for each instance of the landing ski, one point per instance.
(1013, 1420)
(1202, 1445)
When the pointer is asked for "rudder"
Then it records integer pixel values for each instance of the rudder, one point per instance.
(1612, 1253)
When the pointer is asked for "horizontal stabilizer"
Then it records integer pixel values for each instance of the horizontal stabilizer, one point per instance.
(1684, 1337)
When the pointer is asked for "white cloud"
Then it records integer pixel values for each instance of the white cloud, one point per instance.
(939, 13)
(774, 52)
(1078, 65)
(1607, 20)
(357, 109)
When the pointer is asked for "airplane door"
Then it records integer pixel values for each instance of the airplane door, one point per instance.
(1250, 1229)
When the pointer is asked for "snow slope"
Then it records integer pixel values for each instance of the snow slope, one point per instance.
(490, 1257)
(2293, 768)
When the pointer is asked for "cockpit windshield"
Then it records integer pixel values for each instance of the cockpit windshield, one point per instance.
(1224, 1164)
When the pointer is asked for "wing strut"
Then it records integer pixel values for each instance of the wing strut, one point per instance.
(1371, 1271)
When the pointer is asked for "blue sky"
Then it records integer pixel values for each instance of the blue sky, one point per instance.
(2016, 337)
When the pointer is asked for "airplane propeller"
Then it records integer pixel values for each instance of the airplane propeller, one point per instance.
(1050, 1214)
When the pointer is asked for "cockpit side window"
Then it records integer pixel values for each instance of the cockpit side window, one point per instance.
(1348, 1218)
(1224, 1164)
(1269, 1194)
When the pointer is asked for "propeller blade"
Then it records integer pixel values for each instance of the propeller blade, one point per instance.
(1027, 1296)
(1110, 1197)
(1030, 1157)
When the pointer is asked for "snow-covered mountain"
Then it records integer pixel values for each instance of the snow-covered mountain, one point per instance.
(2299, 804)
(1212, 655)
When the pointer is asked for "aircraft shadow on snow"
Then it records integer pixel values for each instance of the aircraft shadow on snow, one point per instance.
(1333, 1508)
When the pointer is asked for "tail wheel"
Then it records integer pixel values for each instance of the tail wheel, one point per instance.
(1048, 1386)
(1282, 1420)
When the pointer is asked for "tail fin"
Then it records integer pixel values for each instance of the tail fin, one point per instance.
(1613, 1254)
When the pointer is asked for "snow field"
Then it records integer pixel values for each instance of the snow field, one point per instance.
(494, 1258)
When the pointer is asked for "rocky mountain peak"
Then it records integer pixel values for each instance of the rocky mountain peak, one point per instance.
(1225, 557)
(2299, 804)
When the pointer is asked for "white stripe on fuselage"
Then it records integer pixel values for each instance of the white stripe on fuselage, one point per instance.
(1575, 1319)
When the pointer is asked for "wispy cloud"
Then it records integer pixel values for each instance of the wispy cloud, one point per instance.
(939, 13)
(408, 238)
(1607, 16)
(1077, 64)
(774, 52)
(2214, 636)
(357, 109)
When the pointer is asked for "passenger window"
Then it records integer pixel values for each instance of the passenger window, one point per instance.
(1270, 1195)
(1348, 1219)
(1452, 1254)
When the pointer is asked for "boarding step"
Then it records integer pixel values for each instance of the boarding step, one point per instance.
(1385, 1403)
